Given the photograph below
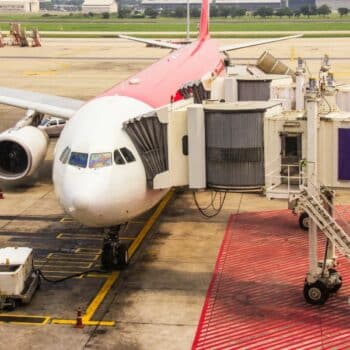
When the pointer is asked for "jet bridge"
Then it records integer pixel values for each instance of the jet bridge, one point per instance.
(213, 145)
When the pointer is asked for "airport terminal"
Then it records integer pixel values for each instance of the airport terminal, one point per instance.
(166, 194)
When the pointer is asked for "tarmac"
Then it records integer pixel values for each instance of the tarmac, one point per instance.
(157, 301)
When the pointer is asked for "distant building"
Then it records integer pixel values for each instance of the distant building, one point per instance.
(246, 4)
(296, 4)
(333, 4)
(99, 6)
(19, 6)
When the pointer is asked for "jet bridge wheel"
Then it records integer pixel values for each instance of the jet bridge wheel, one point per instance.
(316, 293)
(338, 285)
(304, 221)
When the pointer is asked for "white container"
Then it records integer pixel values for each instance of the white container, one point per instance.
(15, 267)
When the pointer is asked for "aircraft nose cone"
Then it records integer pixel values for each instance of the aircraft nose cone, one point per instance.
(81, 202)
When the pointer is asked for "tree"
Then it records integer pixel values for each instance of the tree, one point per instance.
(105, 15)
(240, 12)
(91, 14)
(284, 11)
(225, 12)
(305, 10)
(180, 11)
(195, 12)
(264, 11)
(151, 12)
(124, 12)
(343, 11)
(167, 13)
(324, 10)
(214, 12)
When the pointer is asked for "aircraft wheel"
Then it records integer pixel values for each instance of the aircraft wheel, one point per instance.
(107, 256)
(304, 221)
(316, 293)
(11, 304)
(122, 256)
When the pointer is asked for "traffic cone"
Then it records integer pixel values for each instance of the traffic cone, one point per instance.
(79, 323)
(1, 194)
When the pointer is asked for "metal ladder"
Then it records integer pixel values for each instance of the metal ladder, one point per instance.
(325, 222)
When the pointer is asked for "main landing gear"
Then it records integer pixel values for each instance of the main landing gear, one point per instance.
(114, 253)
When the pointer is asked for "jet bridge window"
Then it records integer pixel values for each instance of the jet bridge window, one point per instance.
(129, 157)
(100, 160)
(119, 160)
(78, 159)
(65, 155)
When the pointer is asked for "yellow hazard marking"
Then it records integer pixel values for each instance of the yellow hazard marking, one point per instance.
(67, 219)
(88, 250)
(94, 305)
(86, 323)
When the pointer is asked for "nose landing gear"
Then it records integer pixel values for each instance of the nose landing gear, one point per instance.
(114, 253)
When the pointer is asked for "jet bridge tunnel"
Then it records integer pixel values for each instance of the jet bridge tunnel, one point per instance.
(216, 145)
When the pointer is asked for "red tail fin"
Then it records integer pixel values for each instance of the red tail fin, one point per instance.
(204, 22)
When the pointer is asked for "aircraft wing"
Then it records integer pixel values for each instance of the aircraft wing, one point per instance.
(152, 42)
(231, 47)
(62, 107)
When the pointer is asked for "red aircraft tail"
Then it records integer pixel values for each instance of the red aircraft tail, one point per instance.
(204, 21)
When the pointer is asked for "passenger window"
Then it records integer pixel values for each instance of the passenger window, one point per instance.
(127, 154)
(65, 154)
(53, 122)
(62, 122)
(100, 160)
(78, 159)
(118, 158)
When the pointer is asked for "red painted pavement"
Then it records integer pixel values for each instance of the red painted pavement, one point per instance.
(255, 299)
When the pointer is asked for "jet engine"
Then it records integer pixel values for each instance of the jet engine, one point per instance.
(21, 152)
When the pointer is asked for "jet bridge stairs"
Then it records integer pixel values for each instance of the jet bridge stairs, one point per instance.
(334, 228)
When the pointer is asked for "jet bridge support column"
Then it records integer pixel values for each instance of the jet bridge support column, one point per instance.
(322, 277)
(312, 121)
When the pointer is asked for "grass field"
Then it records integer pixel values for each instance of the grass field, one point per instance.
(79, 23)
(179, 27)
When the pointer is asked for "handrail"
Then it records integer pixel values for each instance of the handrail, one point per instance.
(331, 205)
(276, 174)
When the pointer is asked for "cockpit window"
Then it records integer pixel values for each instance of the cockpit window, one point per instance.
(78, 159)
(100, 160)
(65, 154)
(118, 158)
(129, 157)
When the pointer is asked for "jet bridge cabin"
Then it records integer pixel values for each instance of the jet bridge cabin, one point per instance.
(210, 145)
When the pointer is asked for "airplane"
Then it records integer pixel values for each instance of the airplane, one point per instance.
(98, 174)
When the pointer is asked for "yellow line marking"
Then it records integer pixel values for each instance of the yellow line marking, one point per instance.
(94, 237)
(86, 323)
(67, 219)
(136, 243)
(101, 295)
(73, 257)
(97, 275)
(63, 264)
(88, 250)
